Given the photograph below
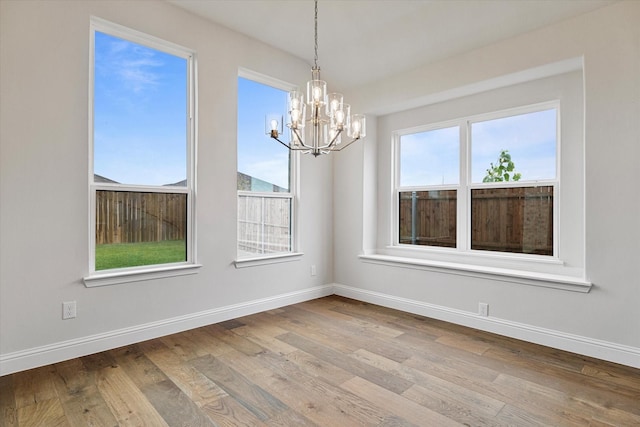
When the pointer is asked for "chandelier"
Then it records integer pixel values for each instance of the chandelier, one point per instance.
(317, 125)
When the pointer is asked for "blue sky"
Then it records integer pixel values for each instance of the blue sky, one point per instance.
(140, 113)
(259, 155)
(140, 128)
(530, 139)
(432, 157)
(140, 118)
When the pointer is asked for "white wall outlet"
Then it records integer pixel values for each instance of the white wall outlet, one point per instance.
(313, 270)
(483, 309)
(68, 310)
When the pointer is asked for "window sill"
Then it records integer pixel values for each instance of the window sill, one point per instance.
(418, 252)
(268, 259)
(555, 281)
(137, 275)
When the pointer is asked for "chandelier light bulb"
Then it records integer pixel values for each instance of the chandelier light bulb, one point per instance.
(273, 125)
(358, 127)
(295, 117)
(334, 103)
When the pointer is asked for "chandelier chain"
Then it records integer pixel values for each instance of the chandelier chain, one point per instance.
(315, 58)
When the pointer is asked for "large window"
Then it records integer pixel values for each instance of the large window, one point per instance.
(141, 134)
(484, 183)
(264, 180)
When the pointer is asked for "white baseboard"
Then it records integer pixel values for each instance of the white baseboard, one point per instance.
(57, 352)
(625, 355)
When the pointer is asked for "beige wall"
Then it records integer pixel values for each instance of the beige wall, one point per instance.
(44, 173)
(44, 47)
(604, 321)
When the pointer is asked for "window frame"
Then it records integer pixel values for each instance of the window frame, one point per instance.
(466, 185)
(397, 136)
(145, 272)
(294, 254)
(562, 81)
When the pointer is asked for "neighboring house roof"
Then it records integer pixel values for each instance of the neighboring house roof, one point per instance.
(246, 182)
(100, 178)
(250, 183)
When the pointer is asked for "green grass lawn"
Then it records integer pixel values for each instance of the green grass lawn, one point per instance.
(119, 255)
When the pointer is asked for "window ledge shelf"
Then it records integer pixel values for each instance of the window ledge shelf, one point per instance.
(416, 252)
(555, 281)
(269, 259)
(118, 277)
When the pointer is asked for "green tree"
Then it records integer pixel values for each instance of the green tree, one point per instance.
(504, 170)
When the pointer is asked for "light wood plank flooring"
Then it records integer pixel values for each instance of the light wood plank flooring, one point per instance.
(327, 362)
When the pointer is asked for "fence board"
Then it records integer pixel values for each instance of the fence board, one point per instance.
(132, 217)
(435, 218)
(264, 224)
(518, 219)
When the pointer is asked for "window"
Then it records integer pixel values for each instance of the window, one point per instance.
(264, 180)
(512, 198)
(487, 183)
(429, 176)
(141, 145)
(466, 217)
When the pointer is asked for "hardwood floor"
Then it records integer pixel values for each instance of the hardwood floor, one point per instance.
(327, 362)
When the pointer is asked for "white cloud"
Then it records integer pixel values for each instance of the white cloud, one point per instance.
(134, 65)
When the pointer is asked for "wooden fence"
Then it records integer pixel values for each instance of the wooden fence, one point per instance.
(264, 224)
(128, 217)
(428, 218)
(518, 219)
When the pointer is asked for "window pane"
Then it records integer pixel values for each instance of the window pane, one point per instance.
(428, 218)
(528, 142)
(430, 158)
(516, 220)
(263, 163)
(135, 228)
(140, 114)
(264, 225)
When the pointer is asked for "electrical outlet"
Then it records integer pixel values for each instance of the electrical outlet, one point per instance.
(68, 310)
(483, 309)
(313, 270)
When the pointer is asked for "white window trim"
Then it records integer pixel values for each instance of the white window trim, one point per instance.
(555, 281)
(138, 274)
(267, 259)
(294, 184)
(148, 272)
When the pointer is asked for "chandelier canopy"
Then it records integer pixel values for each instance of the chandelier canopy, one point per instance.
(317, 125)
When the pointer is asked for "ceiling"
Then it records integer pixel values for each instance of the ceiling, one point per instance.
(360, 41)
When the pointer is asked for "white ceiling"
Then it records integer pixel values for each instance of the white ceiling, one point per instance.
(361, 41)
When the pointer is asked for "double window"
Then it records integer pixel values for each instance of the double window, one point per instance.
(482, 183)
(142, 147)
(265, 181)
